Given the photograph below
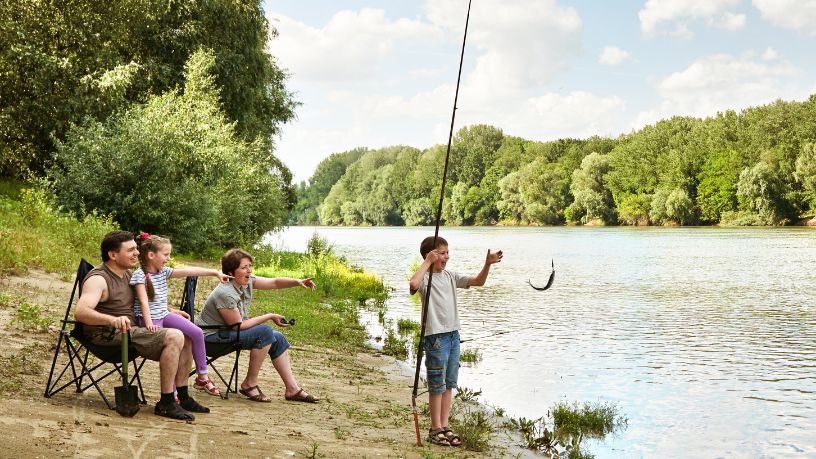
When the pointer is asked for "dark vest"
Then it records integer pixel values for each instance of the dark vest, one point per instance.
(120, 294)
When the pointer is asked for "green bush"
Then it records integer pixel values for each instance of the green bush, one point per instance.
(173, 166)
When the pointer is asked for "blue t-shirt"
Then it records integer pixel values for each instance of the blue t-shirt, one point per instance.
(158, 307)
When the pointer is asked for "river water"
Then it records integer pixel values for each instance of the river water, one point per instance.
(705, 338)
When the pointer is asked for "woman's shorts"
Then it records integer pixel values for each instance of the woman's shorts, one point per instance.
(256, 337)
(442, 361)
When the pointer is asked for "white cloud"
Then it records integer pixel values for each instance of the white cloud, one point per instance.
(612, 55)
(576, 114)
(350, 46)
(720, 82)
(770, 54)
(656, 13)
(799, 15)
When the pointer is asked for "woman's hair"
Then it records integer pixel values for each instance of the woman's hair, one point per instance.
(232, 260)
(113, 241)
(428, 244)
(149, 243)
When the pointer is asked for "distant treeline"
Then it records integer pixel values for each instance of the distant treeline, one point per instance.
(161, 115)
(756, 167)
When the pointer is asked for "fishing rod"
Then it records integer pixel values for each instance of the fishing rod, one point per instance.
(488, 336)
(436, 233)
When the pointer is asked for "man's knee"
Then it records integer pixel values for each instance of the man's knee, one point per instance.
(174, 338)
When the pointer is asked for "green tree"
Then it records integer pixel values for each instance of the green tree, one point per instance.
(544, 189)
(760, 191)
(717, 187)
(173, 166)
(806, 172)
(671, 206)
(592, 200)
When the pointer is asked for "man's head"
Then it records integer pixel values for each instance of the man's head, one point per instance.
(441, 249)
(237, 263)
(120, 248)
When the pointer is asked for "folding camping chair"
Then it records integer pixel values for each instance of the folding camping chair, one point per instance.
(83, 370)
(214, 351)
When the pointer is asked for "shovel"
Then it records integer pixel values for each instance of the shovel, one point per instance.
(127, 398)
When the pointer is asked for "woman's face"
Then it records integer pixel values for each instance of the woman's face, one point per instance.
(243, 272)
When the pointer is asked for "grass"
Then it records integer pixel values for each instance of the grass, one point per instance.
(470, 356)
(31, 317)
(34, 234)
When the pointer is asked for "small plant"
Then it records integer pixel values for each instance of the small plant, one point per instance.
(467, 395)
(313, 454)
(406, 326)
(6, 300)
(318, 246)
(395, 346)
(29, 317)
(340, 434)
(470, 356)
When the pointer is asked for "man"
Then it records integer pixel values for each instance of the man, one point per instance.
(106, 309)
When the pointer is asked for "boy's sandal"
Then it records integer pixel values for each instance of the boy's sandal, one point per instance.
(438, 437)
(206, 385)
(299, 397)
(453, 437)
(257, 397)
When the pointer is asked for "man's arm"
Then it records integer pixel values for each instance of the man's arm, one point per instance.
(93, 291)
(480, 279)
(268, 283)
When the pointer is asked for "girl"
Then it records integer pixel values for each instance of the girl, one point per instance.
(150, 307)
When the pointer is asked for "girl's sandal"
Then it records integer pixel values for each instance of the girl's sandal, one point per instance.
(438, 437)
(453, 437)
(206, 385)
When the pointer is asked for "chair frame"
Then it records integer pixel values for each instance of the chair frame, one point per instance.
(79, 349)
(214, 351)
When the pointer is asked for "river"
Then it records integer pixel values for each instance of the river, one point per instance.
(705, 338)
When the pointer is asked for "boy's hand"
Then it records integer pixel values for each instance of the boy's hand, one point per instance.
(432, 256)
(494, 257)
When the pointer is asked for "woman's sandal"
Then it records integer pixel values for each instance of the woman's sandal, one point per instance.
(258, 397)
(206, 385)
(453, 437)
(438, 437)
(299, 397)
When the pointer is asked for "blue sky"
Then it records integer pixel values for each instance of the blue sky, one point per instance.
(383, 73)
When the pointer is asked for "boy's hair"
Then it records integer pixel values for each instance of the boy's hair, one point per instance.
(149, 243)
(112, 242)
(428, 244)
(232, 260)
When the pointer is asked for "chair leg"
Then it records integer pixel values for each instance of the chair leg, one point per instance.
(53, 365)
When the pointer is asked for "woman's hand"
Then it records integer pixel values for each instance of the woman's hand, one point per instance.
(307, 283)
(181, 313)
(278, 320)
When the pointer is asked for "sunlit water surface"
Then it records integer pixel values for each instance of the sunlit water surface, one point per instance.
(704, 337)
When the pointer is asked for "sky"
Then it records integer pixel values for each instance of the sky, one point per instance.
(380, 73)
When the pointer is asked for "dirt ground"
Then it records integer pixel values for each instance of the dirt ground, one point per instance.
(364, 409)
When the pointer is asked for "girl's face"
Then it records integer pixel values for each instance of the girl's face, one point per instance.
(243, 272)
(160, 257)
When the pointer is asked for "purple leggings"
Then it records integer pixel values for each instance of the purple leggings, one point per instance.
(190, 331)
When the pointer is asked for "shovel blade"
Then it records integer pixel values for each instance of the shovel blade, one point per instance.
(127, 400)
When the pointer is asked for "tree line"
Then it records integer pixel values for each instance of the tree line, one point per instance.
(158, 114)
(755, 167)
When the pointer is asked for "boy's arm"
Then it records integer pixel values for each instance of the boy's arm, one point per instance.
(480, 279)
(193, 271)
(416, 279)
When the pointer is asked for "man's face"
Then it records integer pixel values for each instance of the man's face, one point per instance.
(127, 256)
(243, 272)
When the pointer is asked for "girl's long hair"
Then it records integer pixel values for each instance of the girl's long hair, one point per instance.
(149, 243)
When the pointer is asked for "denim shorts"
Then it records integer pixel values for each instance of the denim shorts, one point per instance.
(257, 337)
(442, 361)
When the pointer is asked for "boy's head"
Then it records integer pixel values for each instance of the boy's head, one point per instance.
(441, 247)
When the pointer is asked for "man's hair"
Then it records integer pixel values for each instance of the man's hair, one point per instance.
(232, 260)
(113, 241)
(428, 244)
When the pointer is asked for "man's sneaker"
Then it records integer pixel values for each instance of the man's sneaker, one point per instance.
(173, 411)
(190, 404)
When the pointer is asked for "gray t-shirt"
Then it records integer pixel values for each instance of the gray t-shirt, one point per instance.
(228, 296)
(443, 313)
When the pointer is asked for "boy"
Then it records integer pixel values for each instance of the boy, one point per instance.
(441, 341)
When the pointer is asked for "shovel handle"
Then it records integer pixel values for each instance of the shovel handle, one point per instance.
(124, 359)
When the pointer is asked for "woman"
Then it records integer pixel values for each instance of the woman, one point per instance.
(229, 303)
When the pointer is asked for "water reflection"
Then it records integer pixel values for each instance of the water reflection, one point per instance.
(706, 337)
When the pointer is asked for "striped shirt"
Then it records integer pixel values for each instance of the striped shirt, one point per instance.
(158, 307)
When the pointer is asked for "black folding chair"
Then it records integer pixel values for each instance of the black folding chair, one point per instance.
(79, 370)
(214, 351)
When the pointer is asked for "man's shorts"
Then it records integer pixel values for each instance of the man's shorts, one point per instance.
(442, 361)
(148, 344)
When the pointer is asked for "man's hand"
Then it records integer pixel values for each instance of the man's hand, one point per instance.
(120, 323)
(307, 283)
(493, 257)
(181, 313)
